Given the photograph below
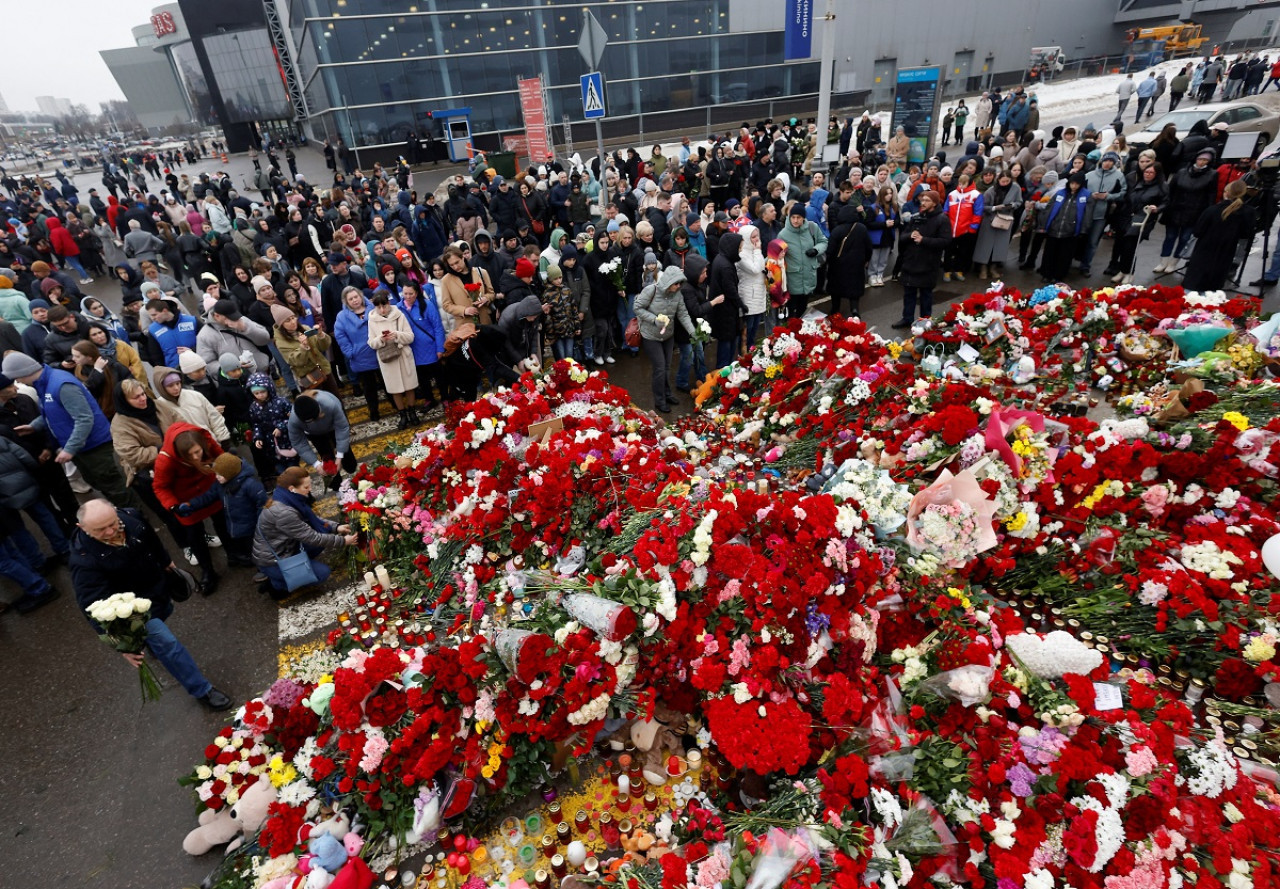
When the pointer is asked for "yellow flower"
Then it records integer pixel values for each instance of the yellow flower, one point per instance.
(487, 772)
(1237, 419)
(281, 772)
(1017, 523)
(1098, 493)
(1259, 650)
(895, 349)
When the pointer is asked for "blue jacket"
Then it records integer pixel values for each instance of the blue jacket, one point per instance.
(71, 436)
(352, 333)
(404, 209)
(813, 212)
(1019, 114)
(698, 242)
(428, 235)
(1148, 88)
(428, 331)
(1082, 201)
(242, 499)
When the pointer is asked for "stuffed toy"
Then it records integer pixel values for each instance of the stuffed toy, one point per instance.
(337, 826)
(657, 738)
(319, 699)
(325, 851)
(232, 824)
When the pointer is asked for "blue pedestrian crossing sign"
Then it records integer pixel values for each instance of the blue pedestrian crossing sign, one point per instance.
(593, 95)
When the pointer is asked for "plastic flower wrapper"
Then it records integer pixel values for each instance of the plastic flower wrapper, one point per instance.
(970, 684)
(1197, 338)
(952, 519)
(884, 501)
(778, 855)
(903, 837)
(123, 621)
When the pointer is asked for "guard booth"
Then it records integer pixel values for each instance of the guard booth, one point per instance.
(457, 132)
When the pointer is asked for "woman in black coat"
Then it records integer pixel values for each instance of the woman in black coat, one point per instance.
(1218, 232)
(1197, 139)
(1131, 222)
(1191, 192)
(922, 242)
(847, 255)
(725, 318)
(604, 297)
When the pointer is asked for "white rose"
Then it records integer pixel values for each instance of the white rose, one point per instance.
(123, 610)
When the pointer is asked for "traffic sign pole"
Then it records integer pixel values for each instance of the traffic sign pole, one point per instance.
(591, 48)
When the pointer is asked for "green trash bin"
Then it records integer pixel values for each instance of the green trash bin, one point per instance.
(504, 162)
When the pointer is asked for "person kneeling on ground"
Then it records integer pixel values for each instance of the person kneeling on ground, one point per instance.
(287, 525)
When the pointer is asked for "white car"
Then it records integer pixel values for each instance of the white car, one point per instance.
(1240, 117)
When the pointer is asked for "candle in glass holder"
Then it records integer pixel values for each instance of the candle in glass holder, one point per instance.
(542, 879)
(609, 831)
(533, 825)
(624, 802)
(694, 758)
(558, 865)
(582, 822)
(527, 854)
(651, 801)
(562, 833)
(554, 813)
(548, 846)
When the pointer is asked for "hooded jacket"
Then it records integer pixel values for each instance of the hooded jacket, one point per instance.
(190, 405)
(176, 481)
(751, 282)
(694, 294)
(655, 301)
(351, 331)
(815, 211)
(723, 281)
(63, 244)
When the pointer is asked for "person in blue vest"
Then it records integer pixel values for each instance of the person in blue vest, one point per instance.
(77, 424)
(1063, 229)
(171, 333)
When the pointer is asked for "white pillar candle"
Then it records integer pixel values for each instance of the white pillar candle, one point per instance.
(624, 785)
(369, 580)
(384, 578)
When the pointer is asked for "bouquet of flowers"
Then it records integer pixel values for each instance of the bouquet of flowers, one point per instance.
(123, 621)
(613, 271)
(701, 332)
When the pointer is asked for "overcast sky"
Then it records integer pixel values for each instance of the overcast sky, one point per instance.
(70, 66)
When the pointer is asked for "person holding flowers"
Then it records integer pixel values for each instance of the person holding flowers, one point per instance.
(660, 306)
(114, 551)
(288, 525)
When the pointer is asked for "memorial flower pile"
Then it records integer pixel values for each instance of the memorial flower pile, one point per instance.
(874, 622)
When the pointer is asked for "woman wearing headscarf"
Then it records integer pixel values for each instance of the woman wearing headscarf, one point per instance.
(96, 311)
(288, 525)
(848, 253)
(137, 434)
(751, 282)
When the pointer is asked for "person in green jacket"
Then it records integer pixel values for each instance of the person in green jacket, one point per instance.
(806, 245)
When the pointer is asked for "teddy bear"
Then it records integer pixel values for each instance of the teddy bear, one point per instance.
(657, 738)
(319, 699)
(234, 823)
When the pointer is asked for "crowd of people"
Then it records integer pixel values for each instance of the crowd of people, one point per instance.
(213, 395)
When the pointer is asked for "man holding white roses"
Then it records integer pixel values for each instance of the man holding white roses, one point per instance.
(115, 551)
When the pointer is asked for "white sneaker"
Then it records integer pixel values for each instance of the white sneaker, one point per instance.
(610, 360)
(599, 360)
(191, 557)
(1167, 264)
(86, 280)
(212, 540)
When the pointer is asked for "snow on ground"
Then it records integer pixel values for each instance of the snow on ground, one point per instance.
(1089, 100)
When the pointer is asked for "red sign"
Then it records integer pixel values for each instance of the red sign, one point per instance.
(535, 119)
(163, 24)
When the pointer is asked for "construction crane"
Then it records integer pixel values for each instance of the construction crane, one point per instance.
(1150, 46)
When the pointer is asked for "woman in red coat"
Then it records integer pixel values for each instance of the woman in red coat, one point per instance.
(184, 482)
(66, 247)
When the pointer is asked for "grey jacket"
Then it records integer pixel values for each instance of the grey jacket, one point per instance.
(287, 532)
(1112, 182)
(142, 245)
(654, 300)
(215, 340)
(332, 419)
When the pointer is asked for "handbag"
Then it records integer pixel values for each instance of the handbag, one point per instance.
(179, 583)
(313, 380)
(1002, 221)
(295, 569)
(631, 336)
(535, 224)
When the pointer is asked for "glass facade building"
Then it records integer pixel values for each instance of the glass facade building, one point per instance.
(374, 69)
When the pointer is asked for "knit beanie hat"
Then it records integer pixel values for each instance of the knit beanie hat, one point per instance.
(280, 314)
(650, 258)
(190, 362)
(228, 465)
(525, 268)
(17, 365)
(554, 273)
(228, 363)
(306, 408)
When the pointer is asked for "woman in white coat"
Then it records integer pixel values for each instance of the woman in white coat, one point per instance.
(752, 289)
(391, 337)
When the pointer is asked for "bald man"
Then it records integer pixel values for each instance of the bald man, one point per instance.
(114, 551)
